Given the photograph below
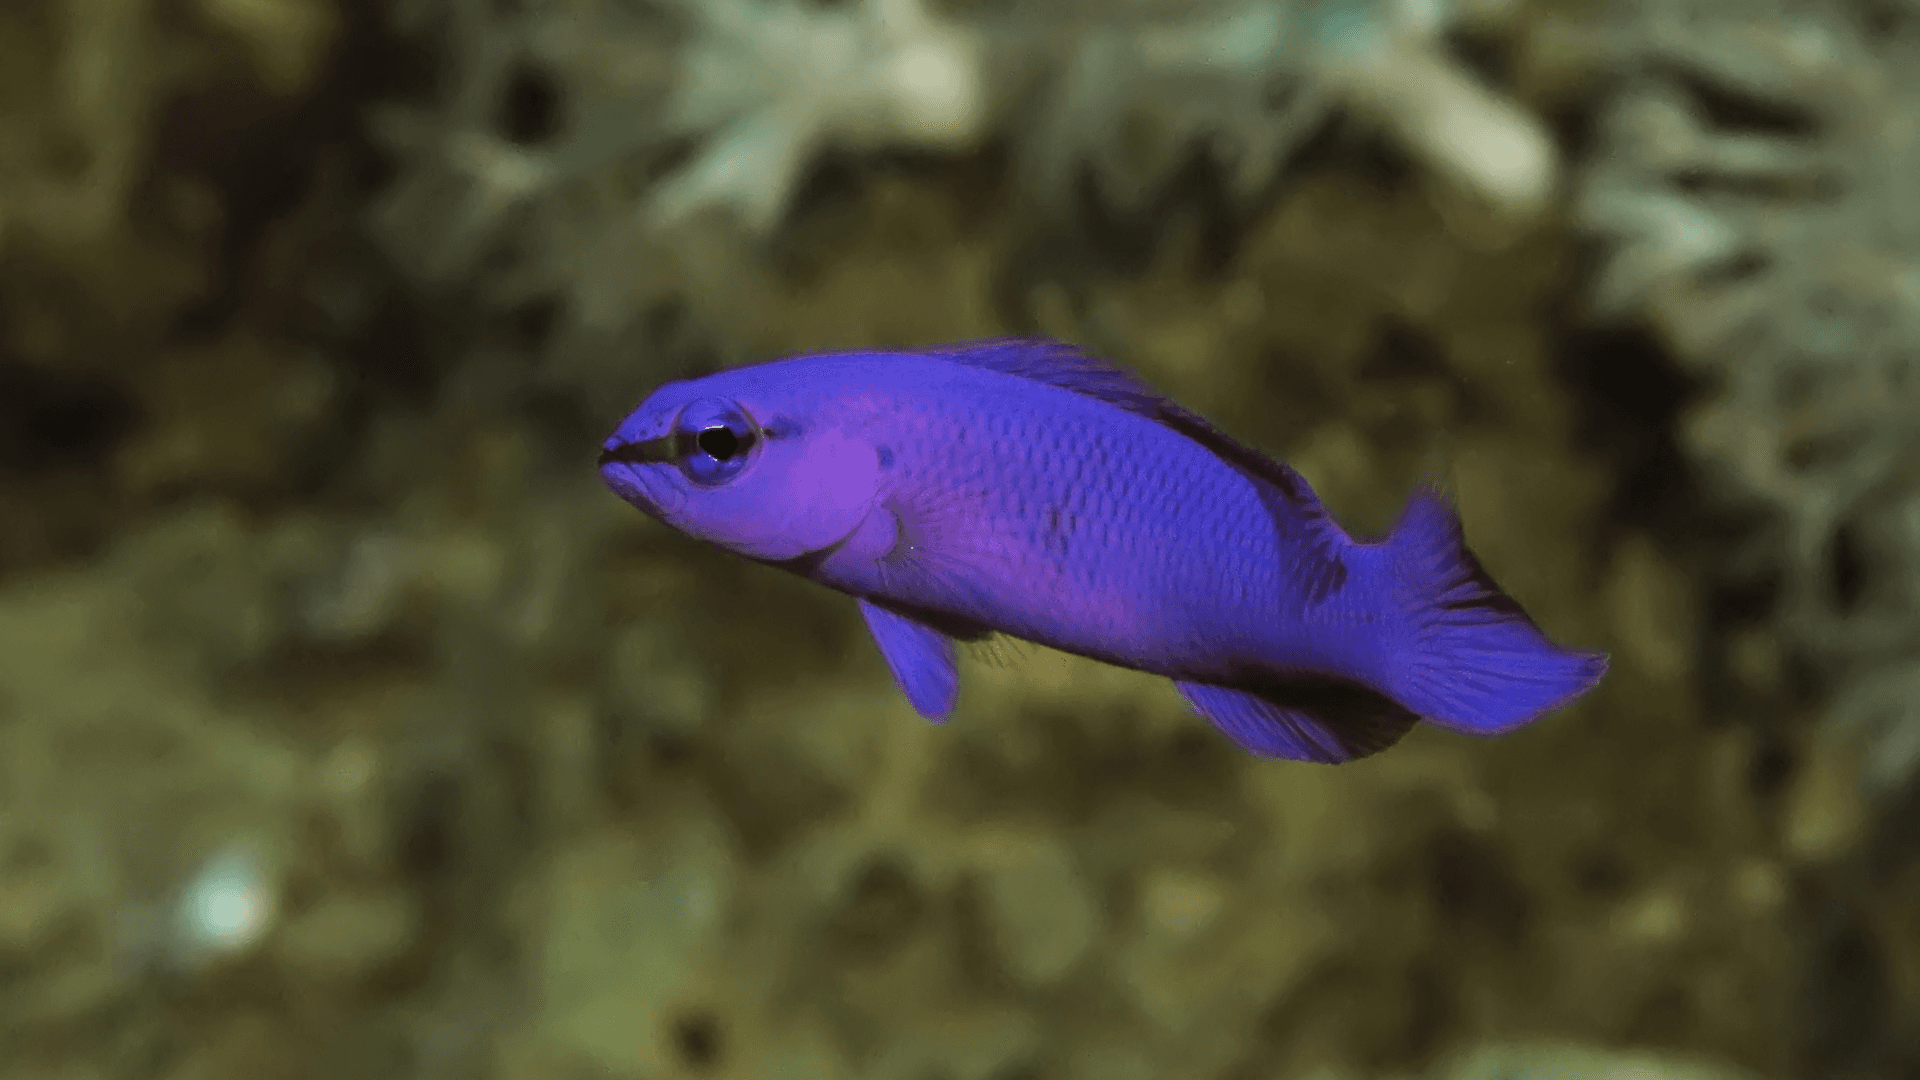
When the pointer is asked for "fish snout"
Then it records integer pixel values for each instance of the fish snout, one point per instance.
(630, 476)
(650, 451)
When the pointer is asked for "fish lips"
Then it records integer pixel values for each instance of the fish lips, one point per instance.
(634, 472)
(645, 452)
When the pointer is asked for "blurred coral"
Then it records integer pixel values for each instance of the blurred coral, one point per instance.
(359, 732)
(615, 155)
(1755, 178)
(612, 155)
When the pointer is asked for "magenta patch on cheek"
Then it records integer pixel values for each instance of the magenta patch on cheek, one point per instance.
(800, 497)
(835, 484)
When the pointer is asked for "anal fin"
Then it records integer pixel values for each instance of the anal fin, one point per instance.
(1323, 720)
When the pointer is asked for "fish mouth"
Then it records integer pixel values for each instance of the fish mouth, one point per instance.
(625, 468)
(651, 452)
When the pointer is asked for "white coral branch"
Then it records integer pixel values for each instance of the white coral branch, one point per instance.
(768, 84)
(1250, 82)
(1390, 66)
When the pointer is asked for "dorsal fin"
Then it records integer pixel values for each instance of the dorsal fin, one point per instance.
(1055, 363)
(1069, 367)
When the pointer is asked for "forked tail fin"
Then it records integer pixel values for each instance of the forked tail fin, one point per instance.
(1472, 661)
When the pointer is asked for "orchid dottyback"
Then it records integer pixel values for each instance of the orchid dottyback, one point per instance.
(1021, 486)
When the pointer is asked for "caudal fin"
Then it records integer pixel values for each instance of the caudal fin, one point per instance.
(1472, 661)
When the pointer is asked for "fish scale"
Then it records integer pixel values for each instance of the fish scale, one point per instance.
(1020, 486)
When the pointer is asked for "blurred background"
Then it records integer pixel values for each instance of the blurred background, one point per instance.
(350, 728)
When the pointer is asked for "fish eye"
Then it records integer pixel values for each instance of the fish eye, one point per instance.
(713, 441)
(718, 443)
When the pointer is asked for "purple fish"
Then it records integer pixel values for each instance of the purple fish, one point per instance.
(1020, 486)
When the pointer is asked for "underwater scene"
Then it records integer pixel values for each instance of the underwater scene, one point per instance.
(1292, 540)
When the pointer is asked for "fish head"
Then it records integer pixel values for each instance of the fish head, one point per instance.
(764, 468)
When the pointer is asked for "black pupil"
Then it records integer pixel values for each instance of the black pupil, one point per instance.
(718, 443)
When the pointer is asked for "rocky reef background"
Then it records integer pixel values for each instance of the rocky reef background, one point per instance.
(348, 727)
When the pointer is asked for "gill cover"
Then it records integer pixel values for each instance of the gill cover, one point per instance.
(769, 490)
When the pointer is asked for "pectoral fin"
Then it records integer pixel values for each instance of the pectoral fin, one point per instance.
(922, 659)
(1323, 720)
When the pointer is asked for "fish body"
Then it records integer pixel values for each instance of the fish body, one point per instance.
(1019, 486)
